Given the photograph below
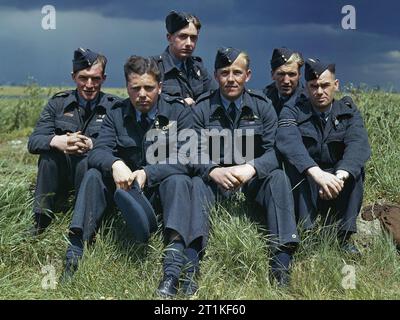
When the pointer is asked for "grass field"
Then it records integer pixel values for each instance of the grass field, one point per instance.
(236, 262)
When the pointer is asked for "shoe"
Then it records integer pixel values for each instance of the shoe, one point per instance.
(346, 246)
(281, 277)
(35, 231)
(189, 284)
(350, 249)
(69, 271)
(168, 287)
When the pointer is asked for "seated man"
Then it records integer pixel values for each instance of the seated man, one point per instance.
(65, 132)
(285, 71)
(326, 147)
(233, 109)
(183, 75)
(120, 153)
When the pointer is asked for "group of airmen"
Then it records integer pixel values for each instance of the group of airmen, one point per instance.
(310, 151)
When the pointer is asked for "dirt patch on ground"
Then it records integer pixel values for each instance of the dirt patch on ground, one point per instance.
(389, 217)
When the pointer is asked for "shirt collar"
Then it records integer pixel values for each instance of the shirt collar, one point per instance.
(226, 102)
(327, 112)
(151, 114)
(178, 63)
(83, 102)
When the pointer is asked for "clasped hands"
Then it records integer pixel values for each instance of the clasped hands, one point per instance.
(330, 185)
(231, 178)
(72, 143)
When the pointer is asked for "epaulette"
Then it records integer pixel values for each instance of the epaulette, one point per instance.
(119, 103)
(157, 58)
(348, 101)
(62, 94)
(205, 95)
(113, 98)
(257, 93)
(172, 99)
(197, 58)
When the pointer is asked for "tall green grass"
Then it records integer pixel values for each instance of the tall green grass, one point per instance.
(235, 265)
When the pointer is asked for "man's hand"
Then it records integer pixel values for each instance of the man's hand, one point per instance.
(122, 175)
(342, 175)
(189, 101)
(224, 178)
(243, 172)
(78, 143)
(330, 185)
(140, 176)
(72, 143)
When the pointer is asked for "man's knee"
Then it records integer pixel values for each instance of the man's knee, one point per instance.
(177, 180)
(50, 161)
(93, 175)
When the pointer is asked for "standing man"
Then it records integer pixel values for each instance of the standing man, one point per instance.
(285, 71)
(65, 132)
(183, 75)
(234, 109)
(325, 146)
(121, 157)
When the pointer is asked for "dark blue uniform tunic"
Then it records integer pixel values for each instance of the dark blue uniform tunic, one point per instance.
(342, 143)
(278, 102)
(58, 172)
(270, 188)
(191, 81)
(122, 138)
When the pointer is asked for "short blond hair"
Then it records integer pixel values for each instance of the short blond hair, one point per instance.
(246, 57)
(296, 58)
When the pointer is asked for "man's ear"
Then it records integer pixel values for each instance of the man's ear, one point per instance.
(248, 75)
(169, 37)
(337, 84)
(160, 87)
(73, 75)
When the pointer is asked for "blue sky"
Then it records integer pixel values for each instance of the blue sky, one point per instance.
(370, 54)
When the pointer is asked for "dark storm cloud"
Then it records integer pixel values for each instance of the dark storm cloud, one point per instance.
(368, 54)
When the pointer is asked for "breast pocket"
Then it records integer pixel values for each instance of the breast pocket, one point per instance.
(336, 135)
(130, 151)
(63, 125)
(171, 88)
(335, 143)
(94, 127)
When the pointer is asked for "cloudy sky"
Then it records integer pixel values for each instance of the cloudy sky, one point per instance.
(369, 54)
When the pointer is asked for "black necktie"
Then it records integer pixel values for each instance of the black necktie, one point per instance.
(87, 113)
(144, 123)
(323, 116)
(232, 111)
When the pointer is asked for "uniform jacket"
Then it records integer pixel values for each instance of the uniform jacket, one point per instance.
(272, 93)
(63, 114)
(342, 144)
(122, 138)
(177, 83)
(256, 113)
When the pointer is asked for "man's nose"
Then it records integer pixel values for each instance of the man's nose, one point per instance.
(142, 92)
(188, 41)
(286, 78)
(89, 82)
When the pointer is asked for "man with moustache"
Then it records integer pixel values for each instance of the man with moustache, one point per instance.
(285, 71)
(65, 133)
(325, 146)
(183, 74)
